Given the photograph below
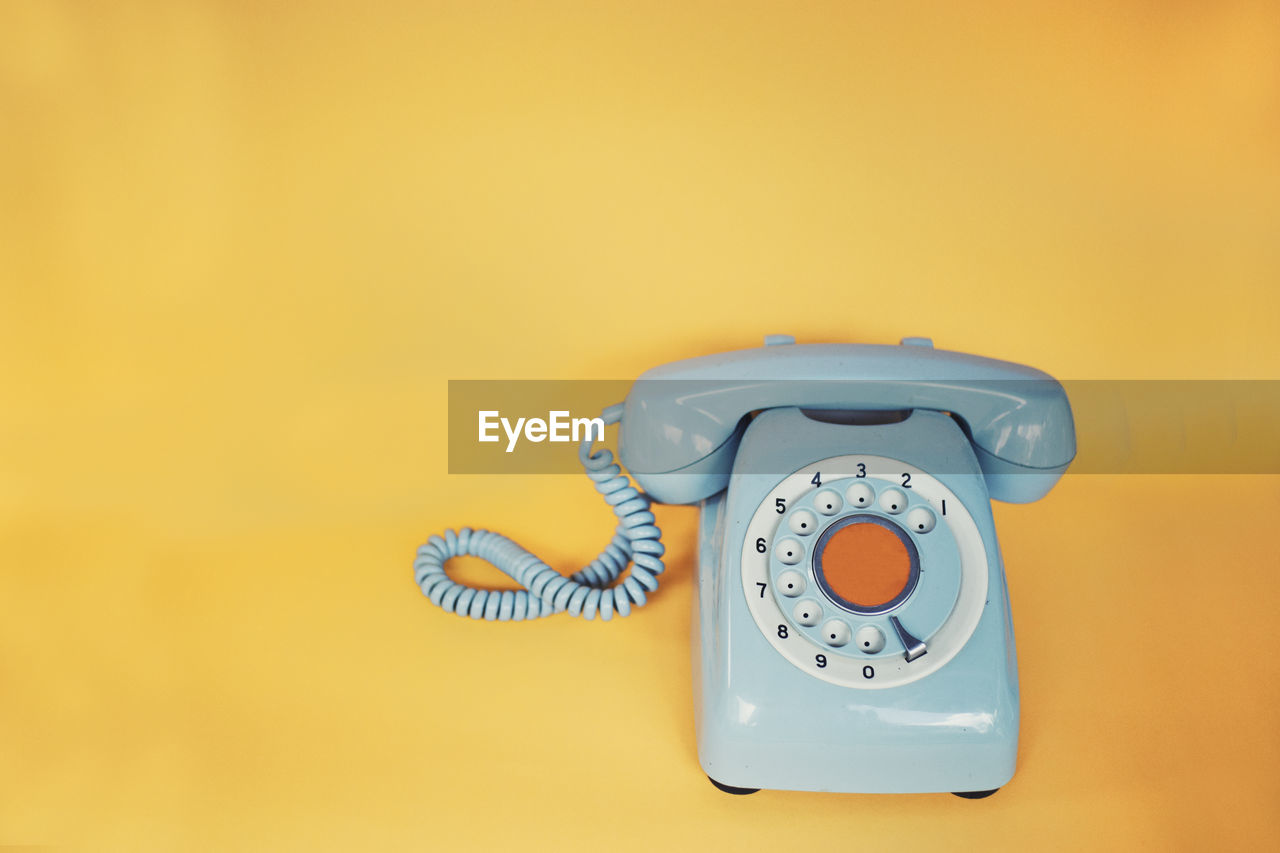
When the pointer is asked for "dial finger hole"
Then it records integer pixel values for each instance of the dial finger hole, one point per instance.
(860, 495)
(835, 633)
(893, 501)
(869, 639)
(808, 612)
(791, 584)
(920, 520)
(827, 502)
(803, 522)
(789, 551)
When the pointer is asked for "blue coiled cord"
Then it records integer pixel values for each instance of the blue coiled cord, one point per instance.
(636, 540)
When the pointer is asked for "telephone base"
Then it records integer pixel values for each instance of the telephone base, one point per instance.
(770, 717)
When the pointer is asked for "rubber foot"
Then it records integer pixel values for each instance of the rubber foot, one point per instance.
(975, 795)
(730, 789)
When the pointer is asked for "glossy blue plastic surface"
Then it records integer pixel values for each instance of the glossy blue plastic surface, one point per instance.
(980, 428)
(682, 420)
(764, 723)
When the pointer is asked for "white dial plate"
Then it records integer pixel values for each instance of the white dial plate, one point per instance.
(845, 665)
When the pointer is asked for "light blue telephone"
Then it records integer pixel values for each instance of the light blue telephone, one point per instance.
(852, 617)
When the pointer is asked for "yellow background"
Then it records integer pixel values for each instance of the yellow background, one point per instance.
(243, 246)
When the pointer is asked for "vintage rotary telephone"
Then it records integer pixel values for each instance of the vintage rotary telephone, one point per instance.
(852, 623)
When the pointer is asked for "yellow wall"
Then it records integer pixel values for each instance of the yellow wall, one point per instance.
(243, 247)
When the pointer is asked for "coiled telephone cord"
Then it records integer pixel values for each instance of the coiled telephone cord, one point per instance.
(636, 540)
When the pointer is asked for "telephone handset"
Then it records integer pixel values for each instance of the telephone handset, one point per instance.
(852, 616)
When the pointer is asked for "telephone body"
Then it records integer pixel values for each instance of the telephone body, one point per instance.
(852, 628)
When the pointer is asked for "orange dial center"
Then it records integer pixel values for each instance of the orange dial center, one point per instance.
(865, 564)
